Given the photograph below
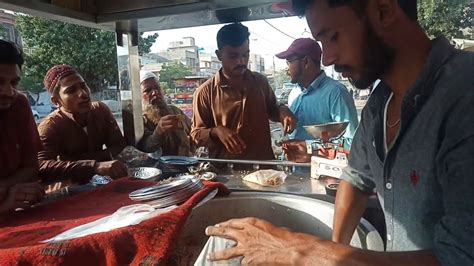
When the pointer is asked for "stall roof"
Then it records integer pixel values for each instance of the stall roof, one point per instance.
(149, 15)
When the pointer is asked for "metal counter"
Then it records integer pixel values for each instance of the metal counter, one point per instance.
(295, 183)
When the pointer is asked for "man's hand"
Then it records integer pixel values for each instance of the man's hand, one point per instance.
(231, 140)
(287, 119)
(168, 123)
(22, 195)
(296, 151)
(114, 169)
(260, 243)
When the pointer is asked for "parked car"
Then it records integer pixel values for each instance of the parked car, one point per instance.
(283, 93)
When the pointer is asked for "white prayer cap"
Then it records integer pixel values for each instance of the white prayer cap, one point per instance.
(144, 75)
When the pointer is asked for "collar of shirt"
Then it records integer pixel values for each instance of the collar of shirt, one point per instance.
(415, 97)
(440, 52)
(317, 82)
(70, 116)
(222, 81)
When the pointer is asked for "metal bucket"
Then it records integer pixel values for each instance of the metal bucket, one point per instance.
(298, 213)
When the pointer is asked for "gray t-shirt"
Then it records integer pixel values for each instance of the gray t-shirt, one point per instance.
(426, 180)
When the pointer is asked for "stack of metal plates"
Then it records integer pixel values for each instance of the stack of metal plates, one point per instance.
(168, 192)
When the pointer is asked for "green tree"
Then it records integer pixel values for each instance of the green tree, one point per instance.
(167, 90)
(172, 71)
(49, 42)
(144, 44)
(451, 18)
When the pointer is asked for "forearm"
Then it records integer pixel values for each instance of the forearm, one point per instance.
(330, 253)
(101, 156)
(77, 171)
(349, 207)
(205, 136)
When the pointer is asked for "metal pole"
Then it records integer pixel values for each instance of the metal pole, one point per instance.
(129, 68)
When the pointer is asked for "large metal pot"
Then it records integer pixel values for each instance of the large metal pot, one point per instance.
(300, 214)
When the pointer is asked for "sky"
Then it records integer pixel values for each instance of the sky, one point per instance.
(264, 39)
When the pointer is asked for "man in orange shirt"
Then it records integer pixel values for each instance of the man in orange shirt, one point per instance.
(231, 111)
(19, 140)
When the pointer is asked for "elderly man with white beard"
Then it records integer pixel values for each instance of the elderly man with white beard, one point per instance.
(166, 127)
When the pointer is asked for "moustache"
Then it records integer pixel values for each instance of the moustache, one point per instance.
(342, 68)
(240, 67)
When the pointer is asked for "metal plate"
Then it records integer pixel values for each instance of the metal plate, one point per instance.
(178, 160)
(171, 193)
(164, 187)
(144, 172)
(188, 187)
(327, 131)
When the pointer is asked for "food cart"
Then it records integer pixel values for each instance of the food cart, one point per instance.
(300, 203)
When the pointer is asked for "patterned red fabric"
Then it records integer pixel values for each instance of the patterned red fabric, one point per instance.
(148, 243)
(55, 74)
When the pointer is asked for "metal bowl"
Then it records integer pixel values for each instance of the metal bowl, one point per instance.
(298, 213)
(147, 173)
(176, 164)
(327, 131)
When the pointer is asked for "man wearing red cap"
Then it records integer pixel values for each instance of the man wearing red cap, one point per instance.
(19, 140)
(74, 135)
(323, 100)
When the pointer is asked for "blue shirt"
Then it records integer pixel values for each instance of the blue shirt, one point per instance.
(324, 101)
(425, 182)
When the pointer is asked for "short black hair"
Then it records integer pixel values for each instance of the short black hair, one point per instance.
(10, 54)
(408, 6)
(234, 34)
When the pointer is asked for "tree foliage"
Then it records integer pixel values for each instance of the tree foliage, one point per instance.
(91, 51)
(48, 43)
(450, 18)
(144, 44)
(173, 70)
(280, 78)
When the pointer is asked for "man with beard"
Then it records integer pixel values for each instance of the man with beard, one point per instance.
(166, 126)
(414, 145)
(75, 134)
(323, 100)
(232, 109)
(19, 140)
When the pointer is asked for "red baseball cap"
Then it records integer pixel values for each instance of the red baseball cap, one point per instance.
(303, 47)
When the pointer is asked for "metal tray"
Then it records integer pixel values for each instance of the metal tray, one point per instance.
(178, 160)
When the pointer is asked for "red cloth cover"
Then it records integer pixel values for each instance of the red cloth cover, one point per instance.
(148, 243)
